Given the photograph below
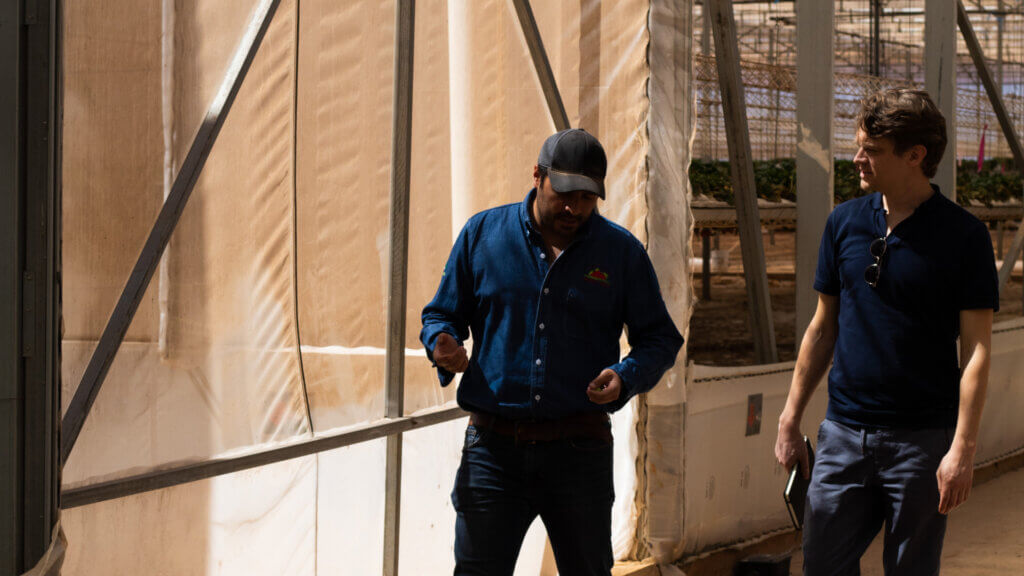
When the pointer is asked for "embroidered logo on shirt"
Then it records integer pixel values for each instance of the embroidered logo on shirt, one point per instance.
(596, 275)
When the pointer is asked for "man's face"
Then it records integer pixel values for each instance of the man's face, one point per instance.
(881, 168)
(561, 212)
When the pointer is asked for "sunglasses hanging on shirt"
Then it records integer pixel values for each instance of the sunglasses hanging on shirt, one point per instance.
(874, 272)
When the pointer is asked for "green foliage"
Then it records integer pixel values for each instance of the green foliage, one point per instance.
(776, 180)
(997, 181)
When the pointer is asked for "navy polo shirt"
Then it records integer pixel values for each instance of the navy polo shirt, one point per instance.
(542, 331)
(895, 362)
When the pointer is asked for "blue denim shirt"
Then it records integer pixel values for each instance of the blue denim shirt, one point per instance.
(543, 330)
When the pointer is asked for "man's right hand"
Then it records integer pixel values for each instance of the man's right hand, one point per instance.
(790, 448)
(449, 355)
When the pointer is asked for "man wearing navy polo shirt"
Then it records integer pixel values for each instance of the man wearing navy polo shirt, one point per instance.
(545, 287)
(902, 273)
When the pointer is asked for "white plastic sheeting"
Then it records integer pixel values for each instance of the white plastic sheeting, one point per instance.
(272, 295)
(733, 485)
(266, 324)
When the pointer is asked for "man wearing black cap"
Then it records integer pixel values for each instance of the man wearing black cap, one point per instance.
(545, 287)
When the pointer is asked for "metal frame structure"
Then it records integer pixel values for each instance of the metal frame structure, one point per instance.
(741, 164)
(160, 234)
(814, 151)
(29, 268)
(395, 422)
(1005, 123)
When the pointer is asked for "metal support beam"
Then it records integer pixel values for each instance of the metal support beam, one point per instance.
(541, 64)
(815, 107)
(40, 288)
(940, 81)
(228, 465)
(876, 37)
(1000, 29)
(1000, 233)
(12, 219)
(401, 161)
(741, 165)
(705, 264)
(995, 96)
(29, 273)
(1011, 257)
(149, 259)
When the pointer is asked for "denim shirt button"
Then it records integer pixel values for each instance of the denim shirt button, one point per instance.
(541, 326)
(538, 361)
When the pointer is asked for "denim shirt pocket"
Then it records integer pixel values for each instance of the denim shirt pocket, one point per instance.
(588, 312)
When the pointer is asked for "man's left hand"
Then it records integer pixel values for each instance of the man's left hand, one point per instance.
(605, 388)
(955, 474)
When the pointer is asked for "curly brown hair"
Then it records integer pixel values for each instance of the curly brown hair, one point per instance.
(908, 118)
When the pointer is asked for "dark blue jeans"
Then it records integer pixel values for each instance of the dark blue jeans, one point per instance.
(501, 487)
(863, 479)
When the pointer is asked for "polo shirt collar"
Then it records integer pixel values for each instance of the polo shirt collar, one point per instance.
(928, 205)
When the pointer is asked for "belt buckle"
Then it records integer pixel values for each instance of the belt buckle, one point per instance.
(516, 427)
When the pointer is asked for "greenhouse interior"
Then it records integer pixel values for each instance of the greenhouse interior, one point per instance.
(225, 218)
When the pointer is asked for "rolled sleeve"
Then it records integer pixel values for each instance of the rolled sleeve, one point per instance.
(653, 338)
(451, 310)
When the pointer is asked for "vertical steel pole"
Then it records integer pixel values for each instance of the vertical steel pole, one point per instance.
(401, 158)
(1000, 26)
(940, 80)
(705, 264)
(815, 105)
(11, 224)
(876, 38)
(29, 272)
(1000, 233)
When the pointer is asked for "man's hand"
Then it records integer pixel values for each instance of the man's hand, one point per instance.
(955, 473)
(449, 355)
(790, 448)
(605, 388)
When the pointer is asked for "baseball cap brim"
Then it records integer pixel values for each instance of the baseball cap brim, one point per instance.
(562, 182)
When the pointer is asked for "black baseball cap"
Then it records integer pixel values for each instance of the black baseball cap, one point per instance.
(575, 160)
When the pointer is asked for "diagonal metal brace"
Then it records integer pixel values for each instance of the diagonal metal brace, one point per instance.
(994, 95)
(166, 221)
(996, 98)
(541, 64)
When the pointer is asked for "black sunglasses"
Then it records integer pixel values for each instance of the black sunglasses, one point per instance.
(874, 272)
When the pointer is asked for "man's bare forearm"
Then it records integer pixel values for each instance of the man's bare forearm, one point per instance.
(973, 385)
(812, 362)
(975, 353)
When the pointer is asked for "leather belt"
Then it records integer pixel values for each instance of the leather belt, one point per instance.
(594, 425)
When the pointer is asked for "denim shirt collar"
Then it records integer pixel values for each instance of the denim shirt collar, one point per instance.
(531, 231)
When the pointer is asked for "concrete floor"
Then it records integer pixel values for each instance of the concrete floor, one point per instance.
(984, 537)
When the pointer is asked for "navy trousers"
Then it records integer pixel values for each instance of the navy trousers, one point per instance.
(501, 487)
(864, 478)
